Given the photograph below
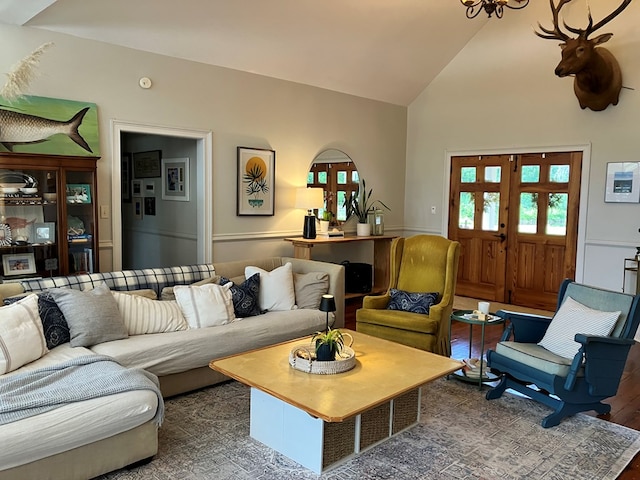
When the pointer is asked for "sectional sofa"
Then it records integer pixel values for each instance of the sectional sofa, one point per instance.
(68, 442)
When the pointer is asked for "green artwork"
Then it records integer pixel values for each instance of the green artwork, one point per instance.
(49, 126)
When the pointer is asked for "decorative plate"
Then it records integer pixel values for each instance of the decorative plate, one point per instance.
(5, 235)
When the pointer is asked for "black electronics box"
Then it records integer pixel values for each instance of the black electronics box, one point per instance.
(358, 277)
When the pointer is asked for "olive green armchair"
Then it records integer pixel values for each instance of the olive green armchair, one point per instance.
(419, 264)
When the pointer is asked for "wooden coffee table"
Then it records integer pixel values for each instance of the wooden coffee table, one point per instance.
(321, 420)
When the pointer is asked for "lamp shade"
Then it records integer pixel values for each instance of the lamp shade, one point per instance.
(327, 303)
(309, 198)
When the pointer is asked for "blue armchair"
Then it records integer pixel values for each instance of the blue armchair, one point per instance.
(577, 384)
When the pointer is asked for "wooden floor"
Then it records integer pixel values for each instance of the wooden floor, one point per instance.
(625, 406)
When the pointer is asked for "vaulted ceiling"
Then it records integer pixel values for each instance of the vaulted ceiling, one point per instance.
(387, 50)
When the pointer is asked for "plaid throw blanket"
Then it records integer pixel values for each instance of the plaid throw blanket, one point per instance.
(91, 376)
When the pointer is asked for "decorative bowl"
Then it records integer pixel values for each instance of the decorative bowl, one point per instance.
(29, 190)
(50, 197)
(9, 189)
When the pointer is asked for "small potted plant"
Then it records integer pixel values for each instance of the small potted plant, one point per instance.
(328, 344)
(359, 204)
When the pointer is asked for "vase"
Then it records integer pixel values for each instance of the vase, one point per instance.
(324, 226)
(325, 352)
(363, 230)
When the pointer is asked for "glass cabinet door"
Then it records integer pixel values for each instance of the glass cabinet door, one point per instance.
(80, 220)
(29, 223)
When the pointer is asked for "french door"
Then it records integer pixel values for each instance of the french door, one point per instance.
(516, 218)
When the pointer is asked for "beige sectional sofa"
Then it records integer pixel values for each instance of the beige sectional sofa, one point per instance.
(178, 358)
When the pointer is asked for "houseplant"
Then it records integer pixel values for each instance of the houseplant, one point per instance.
(328, 344)
(359, 204)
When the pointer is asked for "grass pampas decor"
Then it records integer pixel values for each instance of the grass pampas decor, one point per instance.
(22, 73)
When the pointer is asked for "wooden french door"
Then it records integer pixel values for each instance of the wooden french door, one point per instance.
(516, 217)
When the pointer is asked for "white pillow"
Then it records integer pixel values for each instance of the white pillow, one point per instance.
(206, 305)
(276, 287)
(21, 335)
(572, 318)
(142, 315)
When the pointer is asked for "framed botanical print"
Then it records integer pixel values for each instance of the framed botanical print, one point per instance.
(256, 181)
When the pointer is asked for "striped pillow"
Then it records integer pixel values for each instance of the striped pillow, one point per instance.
(572, 318)
(142, 315)
(21, 336)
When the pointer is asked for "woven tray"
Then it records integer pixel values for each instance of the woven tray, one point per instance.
(303, 358)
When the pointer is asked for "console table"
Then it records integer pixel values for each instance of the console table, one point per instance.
(381, 253)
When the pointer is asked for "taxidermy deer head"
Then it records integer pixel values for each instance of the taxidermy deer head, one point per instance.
(598, 79)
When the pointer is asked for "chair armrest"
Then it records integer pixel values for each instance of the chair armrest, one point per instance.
(527, 328)
(377, 302)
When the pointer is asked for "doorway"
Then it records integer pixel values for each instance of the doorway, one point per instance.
(516, 217)
(203, 188)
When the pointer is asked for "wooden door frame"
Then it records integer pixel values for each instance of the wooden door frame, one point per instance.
(584, 187)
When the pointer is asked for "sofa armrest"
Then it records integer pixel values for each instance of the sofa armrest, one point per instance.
(9, 290)
(336, 280)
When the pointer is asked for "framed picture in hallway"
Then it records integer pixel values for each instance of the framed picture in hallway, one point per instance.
(175, 179)
(146, 164)
(256, 181)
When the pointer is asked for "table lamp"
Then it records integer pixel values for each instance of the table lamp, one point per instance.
(327, 304)
(309, 198)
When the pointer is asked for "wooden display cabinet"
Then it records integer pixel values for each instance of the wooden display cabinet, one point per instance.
(48, 215)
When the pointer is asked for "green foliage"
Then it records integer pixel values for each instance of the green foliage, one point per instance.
(255, 180)
(359, 203)
(333, 338)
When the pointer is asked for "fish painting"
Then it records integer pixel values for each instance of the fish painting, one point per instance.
(21, 129)
(45, 125)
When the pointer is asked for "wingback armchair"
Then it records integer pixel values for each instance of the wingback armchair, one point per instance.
(536, 364)
(420, 264)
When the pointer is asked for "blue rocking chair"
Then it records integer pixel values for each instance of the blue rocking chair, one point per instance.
(568, 385)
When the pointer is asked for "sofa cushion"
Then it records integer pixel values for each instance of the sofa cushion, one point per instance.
(145, 292)
(21, 336)
(93, 316)
(571, 318)
(276, 287)
(246, 296)
(309, 288)
(411, 301)
(205, 305)
(167, 292)
(142, 315)
(56, 329)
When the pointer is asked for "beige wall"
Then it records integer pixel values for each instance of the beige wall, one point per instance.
(500, 93)
(241, 109)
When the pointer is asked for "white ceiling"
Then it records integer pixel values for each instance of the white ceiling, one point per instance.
(387, 50)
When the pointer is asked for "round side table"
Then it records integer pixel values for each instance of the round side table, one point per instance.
(468, 317)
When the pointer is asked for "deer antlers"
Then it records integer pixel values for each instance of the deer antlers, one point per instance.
(557, 34)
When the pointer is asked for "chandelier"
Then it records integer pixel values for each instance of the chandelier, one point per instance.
(474, 7)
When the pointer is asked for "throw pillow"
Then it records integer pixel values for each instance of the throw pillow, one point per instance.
(142, 315)
(573, 317)
(145, 292)
(276, 287)
(309, 288)
(56, 329)
(206, 305)
(167, 292)
(246, 296)
(21, 336)
(93, 316)
(411, 302)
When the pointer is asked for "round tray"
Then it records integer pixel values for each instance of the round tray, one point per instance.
(303, 358)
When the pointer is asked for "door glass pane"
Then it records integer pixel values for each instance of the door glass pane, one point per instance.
(354, 177)
(310, 176)
(491, 211)
(467, 211)
(559, 173)
(322, 177)
(528, 215)
(492, 174)
(557, 214)
(468, 174)
(342, 177)
(530, 174)
(342, 210)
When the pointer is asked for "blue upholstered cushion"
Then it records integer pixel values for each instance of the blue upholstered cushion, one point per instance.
(411, 302)
(246, 296)
(56, 329)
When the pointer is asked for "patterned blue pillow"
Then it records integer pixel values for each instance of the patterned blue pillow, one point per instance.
(411, 302)
(56, 329)
(246, 296)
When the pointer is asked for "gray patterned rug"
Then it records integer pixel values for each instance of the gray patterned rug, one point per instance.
(461, 436)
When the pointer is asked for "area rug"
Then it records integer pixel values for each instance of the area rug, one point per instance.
(461, 435)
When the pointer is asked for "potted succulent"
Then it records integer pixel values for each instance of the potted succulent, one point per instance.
(328, 344)
(359, 204)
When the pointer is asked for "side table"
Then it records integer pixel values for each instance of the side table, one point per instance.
(467, 316)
